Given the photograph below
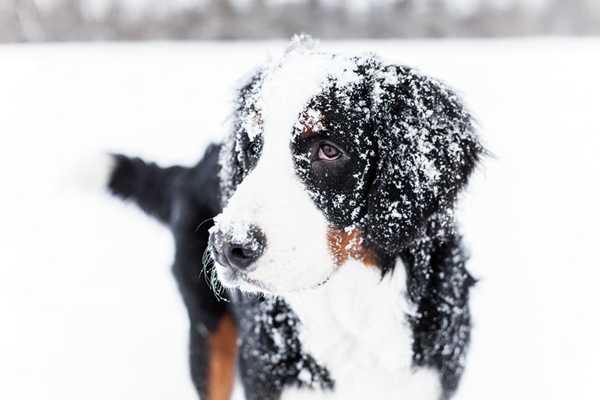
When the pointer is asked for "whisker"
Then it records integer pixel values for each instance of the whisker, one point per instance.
(210, 275)
(203, 222)
(207, 262)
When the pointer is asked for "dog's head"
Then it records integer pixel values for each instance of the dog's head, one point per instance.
(334, 159)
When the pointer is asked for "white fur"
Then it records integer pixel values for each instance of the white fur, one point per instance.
(272, 197)
(356, 326)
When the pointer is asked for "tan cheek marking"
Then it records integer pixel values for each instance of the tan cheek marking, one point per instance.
(223, 349)
(348, 244)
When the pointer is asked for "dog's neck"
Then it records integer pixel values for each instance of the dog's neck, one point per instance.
(356, 325)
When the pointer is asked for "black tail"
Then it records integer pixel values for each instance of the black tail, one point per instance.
(148, 185)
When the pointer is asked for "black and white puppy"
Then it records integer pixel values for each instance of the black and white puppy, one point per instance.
(338, 272)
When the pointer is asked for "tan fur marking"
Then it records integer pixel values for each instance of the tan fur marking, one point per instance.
(223, 349)
(345, 244)
(256, 119)
(311, 122)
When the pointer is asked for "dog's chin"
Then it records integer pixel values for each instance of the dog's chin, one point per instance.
(238, 280)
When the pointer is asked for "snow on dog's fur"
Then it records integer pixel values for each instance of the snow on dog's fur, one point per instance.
(334, 250)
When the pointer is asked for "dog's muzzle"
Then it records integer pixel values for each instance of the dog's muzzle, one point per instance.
(237, 254)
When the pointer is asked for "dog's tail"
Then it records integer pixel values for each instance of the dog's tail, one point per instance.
(150, 186)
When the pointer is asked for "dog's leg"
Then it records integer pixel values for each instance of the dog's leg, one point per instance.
(213, 332)
(186, 199)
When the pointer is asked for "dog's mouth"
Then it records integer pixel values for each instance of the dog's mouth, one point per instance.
(261, 286)
(240, 280)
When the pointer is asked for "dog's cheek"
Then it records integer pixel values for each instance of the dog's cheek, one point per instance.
(296, 256)
(339, 191)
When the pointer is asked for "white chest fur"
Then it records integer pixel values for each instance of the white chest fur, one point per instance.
(356, 326)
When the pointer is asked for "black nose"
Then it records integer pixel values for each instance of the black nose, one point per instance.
(235, 253)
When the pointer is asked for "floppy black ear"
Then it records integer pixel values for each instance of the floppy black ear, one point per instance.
(427, 149)
(234, 165)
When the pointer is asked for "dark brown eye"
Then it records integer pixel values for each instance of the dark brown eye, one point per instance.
(253, 149)
(328, 152)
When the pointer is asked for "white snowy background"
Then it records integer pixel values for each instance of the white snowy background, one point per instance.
(88, 309)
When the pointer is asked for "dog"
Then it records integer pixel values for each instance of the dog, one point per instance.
(316, 247)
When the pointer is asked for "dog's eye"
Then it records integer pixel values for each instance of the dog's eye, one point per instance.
(253, 149)
(328, 152)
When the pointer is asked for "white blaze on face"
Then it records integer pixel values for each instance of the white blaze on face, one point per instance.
(272, 197)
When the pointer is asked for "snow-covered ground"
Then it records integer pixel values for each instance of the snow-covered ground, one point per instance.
(88, 309)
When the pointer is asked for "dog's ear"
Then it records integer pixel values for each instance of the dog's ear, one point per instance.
(427, 148)
(232, 159)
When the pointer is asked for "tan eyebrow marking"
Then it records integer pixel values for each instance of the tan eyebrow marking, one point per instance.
(252, 123)
(310, 123)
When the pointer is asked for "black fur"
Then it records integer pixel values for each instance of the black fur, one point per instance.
(409, 147)
(349, 129)
(185, 199)
(267, 367)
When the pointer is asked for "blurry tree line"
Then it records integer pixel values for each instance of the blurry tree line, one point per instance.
(68, 20)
